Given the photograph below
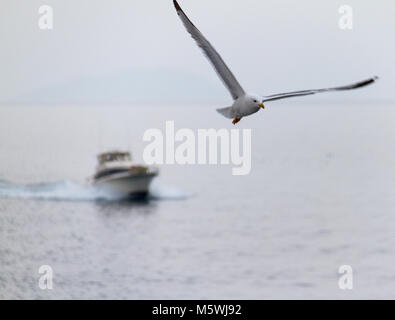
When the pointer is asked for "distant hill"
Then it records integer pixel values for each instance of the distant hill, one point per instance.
(132, 86)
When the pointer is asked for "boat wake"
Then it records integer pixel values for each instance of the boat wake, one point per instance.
(71, 191)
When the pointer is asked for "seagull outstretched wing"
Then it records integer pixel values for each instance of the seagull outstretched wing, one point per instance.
(219, 65)
(314, 91)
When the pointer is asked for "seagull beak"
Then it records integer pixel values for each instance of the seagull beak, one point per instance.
(262, 105)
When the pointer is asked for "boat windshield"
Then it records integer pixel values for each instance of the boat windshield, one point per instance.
(114, 156)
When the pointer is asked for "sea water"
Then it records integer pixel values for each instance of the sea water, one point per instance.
(320, 195)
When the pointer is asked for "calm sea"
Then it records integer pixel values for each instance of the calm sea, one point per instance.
(321, 194)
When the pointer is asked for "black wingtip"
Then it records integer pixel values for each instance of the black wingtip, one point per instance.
(366, 82)
(176, 5)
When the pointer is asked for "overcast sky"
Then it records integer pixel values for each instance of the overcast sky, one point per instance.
(126, 50)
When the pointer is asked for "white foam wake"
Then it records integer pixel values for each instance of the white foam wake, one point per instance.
(71, 191)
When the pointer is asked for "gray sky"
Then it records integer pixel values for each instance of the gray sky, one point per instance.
(127, 50)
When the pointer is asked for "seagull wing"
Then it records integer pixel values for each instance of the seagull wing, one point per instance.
(314, 91)
(219, 65)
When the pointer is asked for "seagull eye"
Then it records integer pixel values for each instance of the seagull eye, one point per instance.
(255, 101)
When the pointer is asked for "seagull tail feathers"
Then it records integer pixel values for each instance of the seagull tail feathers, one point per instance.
(226, 112)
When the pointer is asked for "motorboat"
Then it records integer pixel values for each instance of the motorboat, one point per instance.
(117, 173)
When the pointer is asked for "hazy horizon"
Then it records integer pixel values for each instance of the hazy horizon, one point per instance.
(133, 51)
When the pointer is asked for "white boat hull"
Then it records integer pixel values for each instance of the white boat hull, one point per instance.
(126, 185)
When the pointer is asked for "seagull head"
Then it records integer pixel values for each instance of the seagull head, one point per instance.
(255, 100)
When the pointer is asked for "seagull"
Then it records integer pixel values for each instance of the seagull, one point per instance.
(245, 104)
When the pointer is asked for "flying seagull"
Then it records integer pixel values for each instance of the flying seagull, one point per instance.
(245, 104)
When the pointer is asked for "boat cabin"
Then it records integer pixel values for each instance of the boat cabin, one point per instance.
(114, 156)
(113, 163)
